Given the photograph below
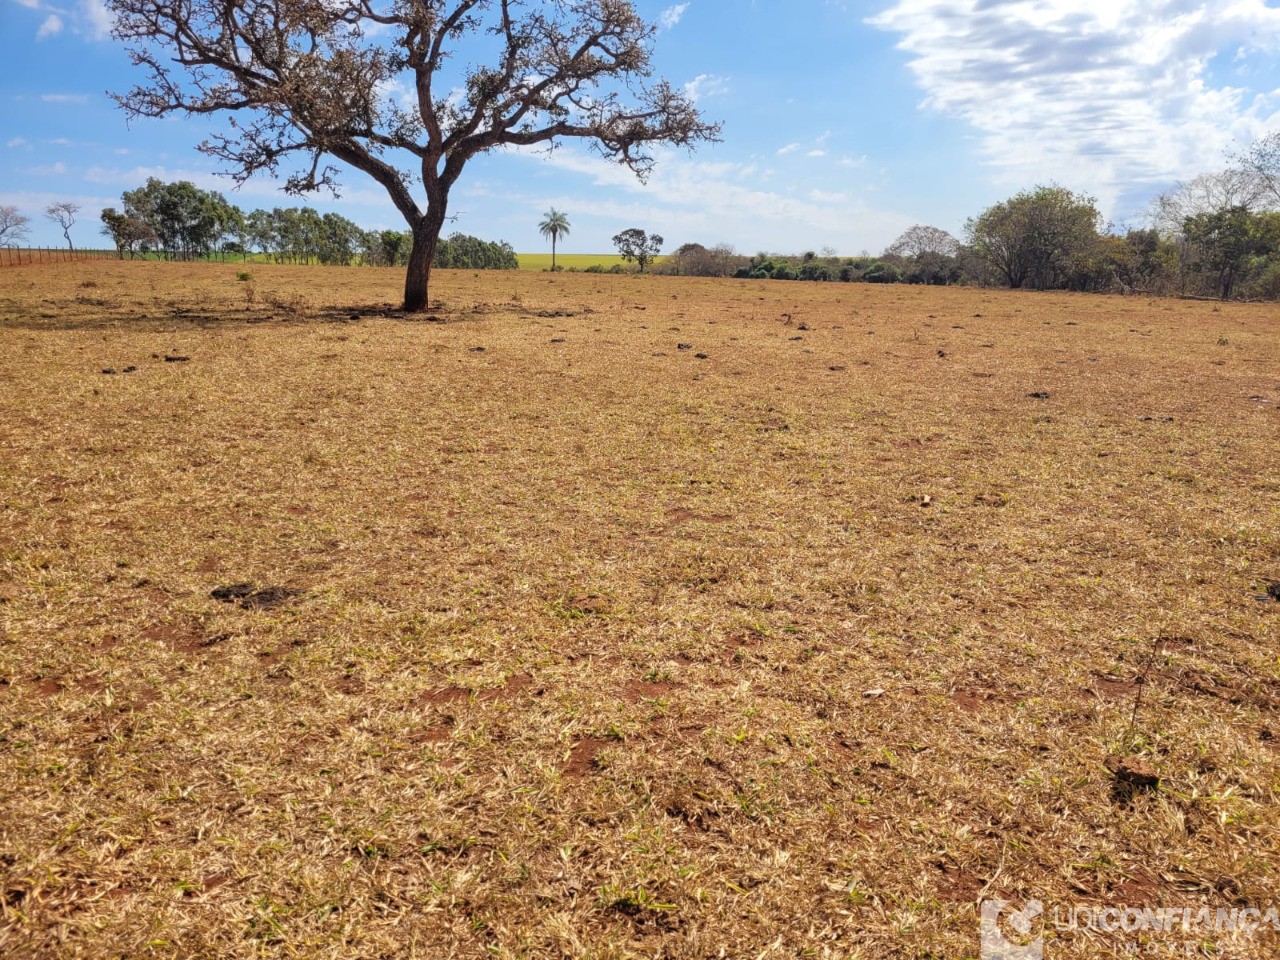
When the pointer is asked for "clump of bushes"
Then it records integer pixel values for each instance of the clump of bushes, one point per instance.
(881, 272)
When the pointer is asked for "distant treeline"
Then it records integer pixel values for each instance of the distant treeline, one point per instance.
(179, 221)
(1046, 239)
(1215, 236)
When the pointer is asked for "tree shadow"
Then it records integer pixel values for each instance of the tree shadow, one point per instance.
(49, 317)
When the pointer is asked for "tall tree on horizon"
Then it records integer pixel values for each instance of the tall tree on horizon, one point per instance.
(406, 92)
(64, 215)
(554, 226)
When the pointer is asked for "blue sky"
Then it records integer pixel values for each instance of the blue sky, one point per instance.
(844, 123)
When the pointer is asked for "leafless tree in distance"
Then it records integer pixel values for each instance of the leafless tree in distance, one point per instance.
(924, 239)
(1262, 162)
(373, 84)
(13, 225)
(64, 215)
(1205, 194)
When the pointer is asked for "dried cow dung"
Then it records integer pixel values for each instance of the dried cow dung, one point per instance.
(267, 598)
(247, 597)
(232, 592)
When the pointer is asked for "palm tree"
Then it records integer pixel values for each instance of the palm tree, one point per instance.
(555, 226)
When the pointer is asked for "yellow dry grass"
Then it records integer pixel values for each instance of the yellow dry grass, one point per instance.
(593, 647)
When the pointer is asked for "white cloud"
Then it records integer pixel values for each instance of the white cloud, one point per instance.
(16, 142)
(690, 199)
(29, 4)
(789, 148)
(706, 85)
(816, 153)
(53, 170)
(671, 16)
(51, 27)
(97, 19)
(1108, 95)
(64, 97)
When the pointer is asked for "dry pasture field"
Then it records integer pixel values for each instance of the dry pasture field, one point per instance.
(524, 631)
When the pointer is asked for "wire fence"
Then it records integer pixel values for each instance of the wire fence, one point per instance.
(24, 256)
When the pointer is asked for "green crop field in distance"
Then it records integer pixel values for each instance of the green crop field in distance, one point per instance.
(576, 261)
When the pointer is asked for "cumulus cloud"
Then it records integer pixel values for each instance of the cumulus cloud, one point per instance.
(1110, 95)
(669, 17)
(51, 27)
(16, 142)
(706, 85)
(789, 148)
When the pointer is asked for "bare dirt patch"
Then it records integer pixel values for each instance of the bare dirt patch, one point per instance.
(582, 757)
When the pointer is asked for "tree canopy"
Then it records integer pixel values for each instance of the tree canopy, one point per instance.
(636, 245)
(1037, 237)
(372, 85)
(924, 239)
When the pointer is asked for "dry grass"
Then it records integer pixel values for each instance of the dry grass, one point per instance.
(593, 647)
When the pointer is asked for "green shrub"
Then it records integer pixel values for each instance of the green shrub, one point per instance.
(244, 275)
(880, 272)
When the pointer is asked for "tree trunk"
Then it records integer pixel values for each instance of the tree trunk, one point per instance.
(426, 235)
(553, 253)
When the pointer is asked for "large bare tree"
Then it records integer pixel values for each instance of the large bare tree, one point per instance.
(406, 91)
(13, 225)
